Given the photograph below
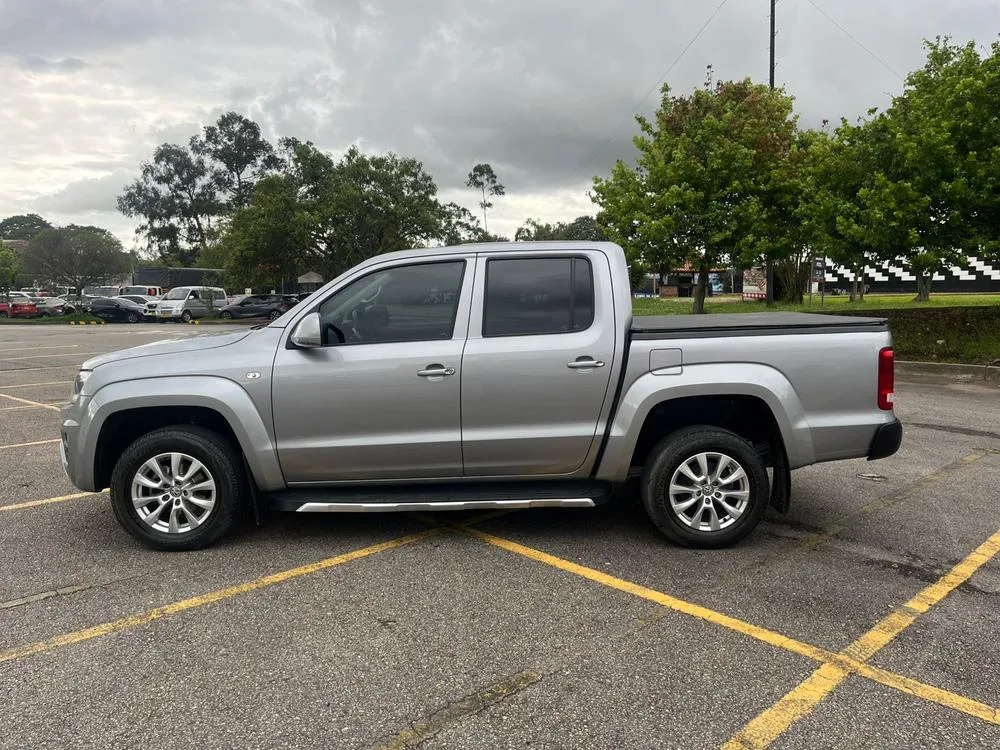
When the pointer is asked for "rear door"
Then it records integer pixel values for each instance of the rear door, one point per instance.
(538, 362)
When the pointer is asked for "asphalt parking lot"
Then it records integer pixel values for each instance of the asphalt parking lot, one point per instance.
(869, 616)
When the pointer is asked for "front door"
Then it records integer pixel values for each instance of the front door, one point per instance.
(537, 365)
(381, 399)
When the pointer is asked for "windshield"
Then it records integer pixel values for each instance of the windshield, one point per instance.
(179, 293)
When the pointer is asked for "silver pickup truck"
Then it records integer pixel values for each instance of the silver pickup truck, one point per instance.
(508, 375)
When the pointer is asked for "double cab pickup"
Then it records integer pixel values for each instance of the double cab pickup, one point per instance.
(507, 375)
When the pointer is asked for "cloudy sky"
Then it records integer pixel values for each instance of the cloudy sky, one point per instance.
(544, 90)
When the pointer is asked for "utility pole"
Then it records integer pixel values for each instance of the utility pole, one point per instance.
(769, 269)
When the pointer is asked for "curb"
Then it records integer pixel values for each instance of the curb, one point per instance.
(939, 372)
(86, 322)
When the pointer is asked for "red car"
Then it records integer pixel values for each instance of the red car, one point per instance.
(18, 309)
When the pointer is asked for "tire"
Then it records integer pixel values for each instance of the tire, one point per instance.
(3, 313)
(226, 315)
(220, 463)
(664, 469)
(274, 315)
(133, 317)
(186, 316)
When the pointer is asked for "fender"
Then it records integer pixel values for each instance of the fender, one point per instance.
(216, 393)
(714, 379)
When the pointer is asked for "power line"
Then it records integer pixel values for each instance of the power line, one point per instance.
(656, 85)
(854, 39)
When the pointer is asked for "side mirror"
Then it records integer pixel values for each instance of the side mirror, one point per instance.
(307, 334)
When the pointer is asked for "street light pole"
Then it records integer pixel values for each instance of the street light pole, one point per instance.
(769, 267)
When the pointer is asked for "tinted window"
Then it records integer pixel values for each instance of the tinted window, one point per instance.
(526, 296)
(405, 303)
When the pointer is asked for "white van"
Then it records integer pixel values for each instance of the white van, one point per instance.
(188, 303)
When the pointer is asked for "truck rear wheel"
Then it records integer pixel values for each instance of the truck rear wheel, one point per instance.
(705, 487)
(178, 488)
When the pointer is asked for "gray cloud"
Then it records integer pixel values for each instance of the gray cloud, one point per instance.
(545, 91)
(35, 64)
(93, 194)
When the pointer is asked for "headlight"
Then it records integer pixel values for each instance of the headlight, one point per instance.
(79, 380)
(178, 307)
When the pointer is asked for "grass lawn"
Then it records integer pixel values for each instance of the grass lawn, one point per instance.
(733, 304)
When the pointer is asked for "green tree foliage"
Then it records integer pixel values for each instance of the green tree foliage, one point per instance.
(483, 178)
(75, 256)
(940, 154)
(698, 189)
(240, 154)
(184, 191)
(581, 228)
(22, 226)
(10, 267)
(324, 215)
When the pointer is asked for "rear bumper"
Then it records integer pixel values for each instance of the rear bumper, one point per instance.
(887, 440)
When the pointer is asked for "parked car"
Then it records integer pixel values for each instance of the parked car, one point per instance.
(271, 306)
(145, 291)
(533, 386)
(18, 308)
(145, 300)
(189, 302)
(117, 310)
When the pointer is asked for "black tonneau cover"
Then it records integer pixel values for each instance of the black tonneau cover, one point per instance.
(749, 324)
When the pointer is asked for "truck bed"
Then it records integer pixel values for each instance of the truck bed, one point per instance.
(749, 324)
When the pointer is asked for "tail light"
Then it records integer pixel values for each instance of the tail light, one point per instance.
(886, 378)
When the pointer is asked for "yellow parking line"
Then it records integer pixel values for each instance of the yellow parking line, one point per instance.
(29, 403)
(39, 348)
(50, 500)
(16, 408)
(802, 700)
(818, 685)
(36, 385)
(26, 445)
(51, 356)
(144, 618)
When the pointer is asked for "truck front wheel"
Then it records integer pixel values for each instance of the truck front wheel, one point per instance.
(178, 488)
(705, 487)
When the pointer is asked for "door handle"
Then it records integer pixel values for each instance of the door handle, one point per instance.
(436, 371)
(584, 364)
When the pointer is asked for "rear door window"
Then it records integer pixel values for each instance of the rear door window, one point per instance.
(535, 296)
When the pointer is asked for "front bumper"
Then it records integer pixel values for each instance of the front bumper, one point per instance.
(888, 438)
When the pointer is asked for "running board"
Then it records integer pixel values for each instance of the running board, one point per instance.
(471, 496)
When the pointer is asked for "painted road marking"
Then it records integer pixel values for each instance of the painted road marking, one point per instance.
(29, 403)
(36, 385)
(15, 408)
(50, 500)
(39, 348)
(25, 445)
(845, 662)
(144, 618)
(50, 356)
(802, 700)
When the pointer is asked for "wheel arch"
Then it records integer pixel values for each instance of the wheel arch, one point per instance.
(121, 412)
(754, 401)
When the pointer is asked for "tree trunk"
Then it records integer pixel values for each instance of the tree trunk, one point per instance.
(858, 285)
(924, 287)
(702, 288)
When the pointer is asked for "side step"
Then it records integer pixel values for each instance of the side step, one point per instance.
(457, 496)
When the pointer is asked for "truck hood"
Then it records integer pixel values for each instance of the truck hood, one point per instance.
(193, 344)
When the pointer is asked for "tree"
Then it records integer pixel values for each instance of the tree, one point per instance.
(940, 154)
(483, 178)
(697, 190)
(581, 228)
(268, 239)
(186, 190)
(327, 216)
(75, 256)
(243, 156)
(460, 226)
(10, 267)
(175, 197)
(22, 226)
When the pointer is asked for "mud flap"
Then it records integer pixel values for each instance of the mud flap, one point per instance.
(781, 481)
(257, 504)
